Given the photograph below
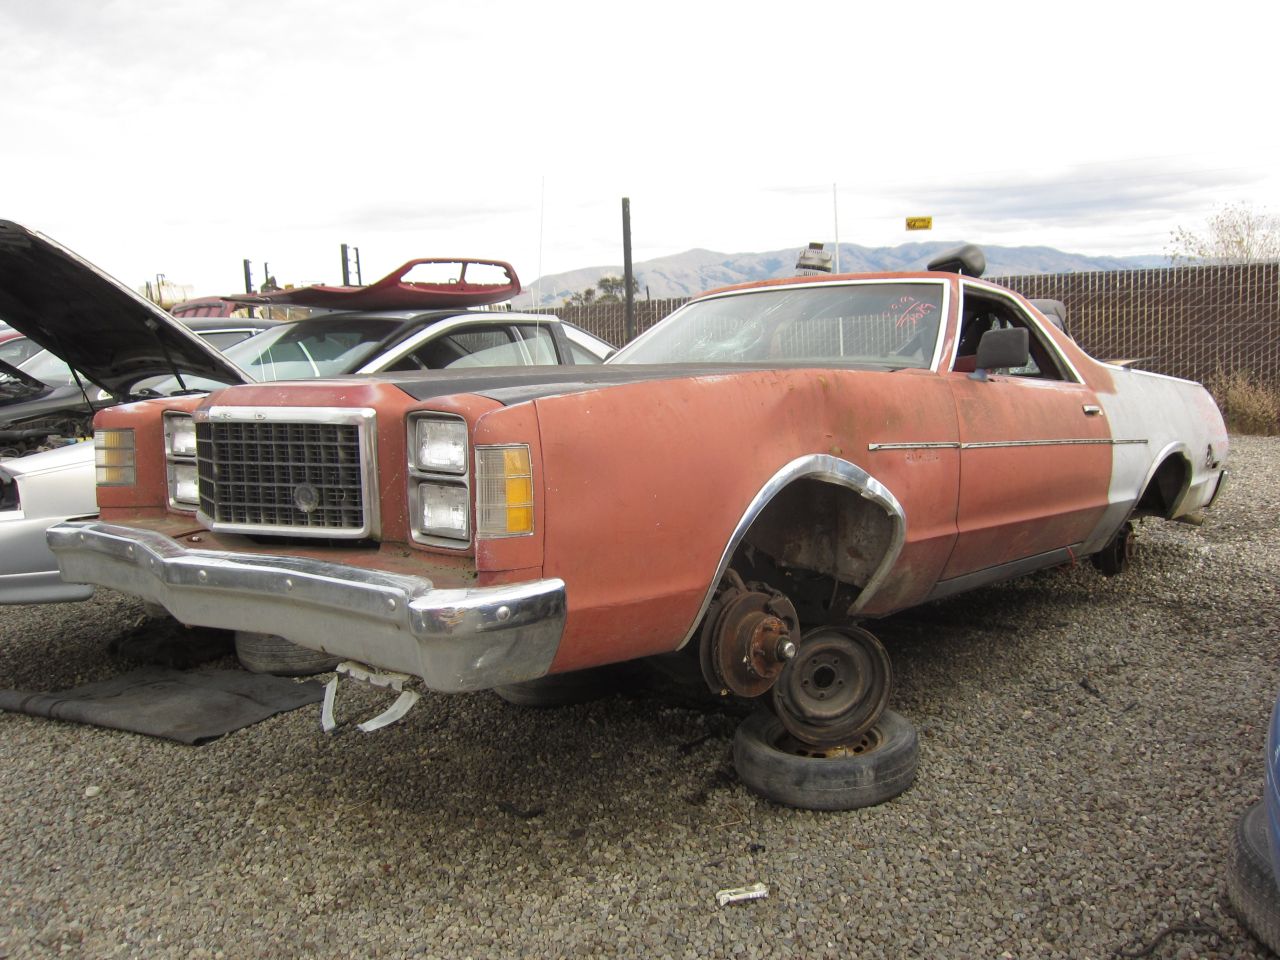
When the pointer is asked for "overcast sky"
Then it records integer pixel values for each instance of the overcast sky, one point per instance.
(180, 137)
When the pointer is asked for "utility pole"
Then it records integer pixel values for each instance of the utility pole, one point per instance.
(347, 252)
(626, 269)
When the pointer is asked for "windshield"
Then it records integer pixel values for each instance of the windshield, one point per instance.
(865, 323)
(319, 347)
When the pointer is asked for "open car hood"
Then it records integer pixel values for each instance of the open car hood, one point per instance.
(93, 322)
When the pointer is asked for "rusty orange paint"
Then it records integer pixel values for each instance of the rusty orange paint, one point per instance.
(624, 484)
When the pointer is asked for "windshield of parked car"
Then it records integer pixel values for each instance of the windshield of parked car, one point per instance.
(861, 322)
(319, 347)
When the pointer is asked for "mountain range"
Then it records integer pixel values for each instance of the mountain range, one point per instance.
(692, 272)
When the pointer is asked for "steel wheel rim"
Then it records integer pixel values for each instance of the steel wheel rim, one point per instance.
(836, 687)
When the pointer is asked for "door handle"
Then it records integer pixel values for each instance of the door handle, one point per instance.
(1092, 410)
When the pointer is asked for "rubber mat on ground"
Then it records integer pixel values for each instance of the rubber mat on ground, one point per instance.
(190, 706)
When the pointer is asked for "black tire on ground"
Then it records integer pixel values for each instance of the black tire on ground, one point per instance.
(1251, 882)
(563, 689)
(266, 653)
(1113, 559)
(876, 768)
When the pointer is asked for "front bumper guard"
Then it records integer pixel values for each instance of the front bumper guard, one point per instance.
(455, 639)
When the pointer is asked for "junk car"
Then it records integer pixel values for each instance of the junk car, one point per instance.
(747, 486)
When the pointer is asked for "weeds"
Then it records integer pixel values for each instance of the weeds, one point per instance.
(1248, 405)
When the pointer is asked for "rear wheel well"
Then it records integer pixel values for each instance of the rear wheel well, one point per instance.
(1165, 489)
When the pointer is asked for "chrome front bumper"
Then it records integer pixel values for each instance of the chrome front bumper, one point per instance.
(470, 638)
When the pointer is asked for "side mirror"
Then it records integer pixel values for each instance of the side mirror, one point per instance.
(1001, 348)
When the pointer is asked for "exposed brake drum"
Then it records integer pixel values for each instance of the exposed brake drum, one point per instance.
(749, 633)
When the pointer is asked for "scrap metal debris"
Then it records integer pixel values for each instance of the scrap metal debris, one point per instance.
(757, 891)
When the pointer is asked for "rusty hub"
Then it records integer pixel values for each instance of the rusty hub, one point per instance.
(748, 636)
(835, 688)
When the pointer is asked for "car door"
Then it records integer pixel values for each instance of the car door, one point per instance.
(1035, 448)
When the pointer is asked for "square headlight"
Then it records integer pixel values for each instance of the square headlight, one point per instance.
(179, 435)
(439, 446)
(444, 510)
(184, 488)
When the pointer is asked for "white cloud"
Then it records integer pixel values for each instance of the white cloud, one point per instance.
(181, 138)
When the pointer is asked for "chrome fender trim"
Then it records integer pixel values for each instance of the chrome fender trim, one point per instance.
(828, 469)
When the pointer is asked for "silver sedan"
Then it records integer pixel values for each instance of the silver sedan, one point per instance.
(35, 492)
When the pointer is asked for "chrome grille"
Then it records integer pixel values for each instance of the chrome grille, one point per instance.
(282, 476)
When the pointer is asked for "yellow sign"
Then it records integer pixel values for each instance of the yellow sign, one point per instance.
(919, 223)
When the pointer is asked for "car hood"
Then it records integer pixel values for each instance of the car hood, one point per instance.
(93, 322)
(67, 457)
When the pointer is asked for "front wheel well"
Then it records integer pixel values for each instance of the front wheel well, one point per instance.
(820, 543)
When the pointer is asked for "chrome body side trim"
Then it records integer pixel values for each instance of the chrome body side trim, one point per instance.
(989, 444)
(1063, 442)
(828, 469)
(455, 639)
(924, 445)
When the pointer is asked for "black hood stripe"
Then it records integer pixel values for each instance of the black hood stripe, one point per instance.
(512, 385)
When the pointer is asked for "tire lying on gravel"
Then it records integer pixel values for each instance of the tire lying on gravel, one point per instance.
(1251, 882)
(563, 689)
(267, 653)
(877, 767)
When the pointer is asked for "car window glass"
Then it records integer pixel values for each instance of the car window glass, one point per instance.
(225, 338)
(18, 349)
(321, 347)
(45, 366)
(539, 342)
(980, 313)
(581, 354)
(473, 346)
(876, 324)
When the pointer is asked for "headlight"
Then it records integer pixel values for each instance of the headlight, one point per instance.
(179, 435)
(114, 457)
(183, 485)
(440, 446)
(444, 510)
(504, 491)
(180, 460)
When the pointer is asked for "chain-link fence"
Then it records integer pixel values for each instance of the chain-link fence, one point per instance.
(1185, 321)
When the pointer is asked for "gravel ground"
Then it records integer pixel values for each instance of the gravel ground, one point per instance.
(1086, 748)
